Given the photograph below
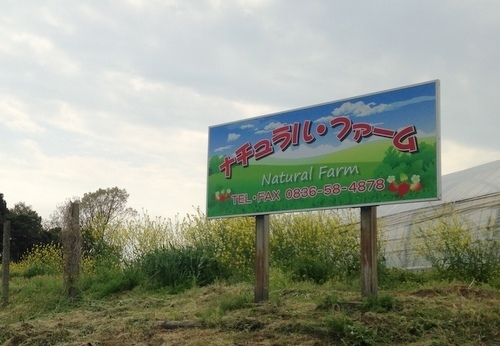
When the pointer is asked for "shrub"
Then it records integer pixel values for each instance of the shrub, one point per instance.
(142, 235)
(231, 242)
(180, 268)
(457, 249)
(316, 246)
(42, 259)
(306, 268)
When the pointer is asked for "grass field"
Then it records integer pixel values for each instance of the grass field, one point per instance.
(191, 283)
(224, 314)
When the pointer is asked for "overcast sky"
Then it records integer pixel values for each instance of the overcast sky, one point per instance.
(97, 94)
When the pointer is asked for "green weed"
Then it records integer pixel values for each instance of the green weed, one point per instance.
(392, 278)
(235, 302)
(349, 332)
(380, 304)
(328, 302)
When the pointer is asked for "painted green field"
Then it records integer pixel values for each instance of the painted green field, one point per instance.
(349, 177)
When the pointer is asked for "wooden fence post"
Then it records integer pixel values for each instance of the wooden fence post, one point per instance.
(261, 258)
(369, 281)
(5, 263)
(72, 250)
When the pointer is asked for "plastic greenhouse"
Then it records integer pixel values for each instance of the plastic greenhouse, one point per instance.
(473, 194)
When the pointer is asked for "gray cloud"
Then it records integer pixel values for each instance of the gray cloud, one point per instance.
(99, 93)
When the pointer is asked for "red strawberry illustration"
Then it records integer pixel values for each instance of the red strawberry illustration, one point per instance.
(415, 186)
(393, 186)
(223, 195)
(403, 188)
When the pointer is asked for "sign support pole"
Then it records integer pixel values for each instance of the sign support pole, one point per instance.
(5, 263)
(261, 258)
(369, 280)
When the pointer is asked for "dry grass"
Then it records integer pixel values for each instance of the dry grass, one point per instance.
(301, 314)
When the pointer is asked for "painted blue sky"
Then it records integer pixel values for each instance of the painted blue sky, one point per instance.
(394, 109)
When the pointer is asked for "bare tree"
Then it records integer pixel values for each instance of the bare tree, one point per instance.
(99, 211)
(105, 206)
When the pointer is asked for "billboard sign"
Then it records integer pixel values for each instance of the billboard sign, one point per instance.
(374, 149)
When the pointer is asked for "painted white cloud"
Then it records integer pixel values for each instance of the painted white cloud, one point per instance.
(304, 151)
(233, 136)
(227, 147)
(271, 126)
(400, 104)
(360, 109)
(324, 119)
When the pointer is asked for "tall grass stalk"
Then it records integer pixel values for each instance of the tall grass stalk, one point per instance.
(42, 259)
(316, 246)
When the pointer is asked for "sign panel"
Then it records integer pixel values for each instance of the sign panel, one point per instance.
(374, 149)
